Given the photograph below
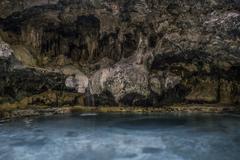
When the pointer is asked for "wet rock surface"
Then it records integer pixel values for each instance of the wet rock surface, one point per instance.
(107, 52)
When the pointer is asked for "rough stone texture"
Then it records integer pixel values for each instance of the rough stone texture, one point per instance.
(205, 90)
(23, 56)
(5, 50)
(122, 52)
(79, 82)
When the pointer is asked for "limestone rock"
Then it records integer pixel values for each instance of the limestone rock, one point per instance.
(205, 90)
(79, 82)
(128, 79)
(139, 52)
(161, 82)
(5, 50)
(70, 70)
(156, 85)
(121, 81)
(171, 81)
(99, 79)
(23, 56)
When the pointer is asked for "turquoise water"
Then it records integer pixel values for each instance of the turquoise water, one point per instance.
(122, 137)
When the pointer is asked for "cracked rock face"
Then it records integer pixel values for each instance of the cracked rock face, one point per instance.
(121, 52)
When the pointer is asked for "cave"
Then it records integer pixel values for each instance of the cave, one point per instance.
(119, 79)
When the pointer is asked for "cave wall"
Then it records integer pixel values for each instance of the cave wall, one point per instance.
(141, 52)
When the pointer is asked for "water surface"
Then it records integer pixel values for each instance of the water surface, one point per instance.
(122, 137)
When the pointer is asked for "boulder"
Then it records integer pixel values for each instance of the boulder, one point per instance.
(79, 82)
(121, 81)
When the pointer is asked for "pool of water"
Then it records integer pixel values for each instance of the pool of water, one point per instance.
(122, 137)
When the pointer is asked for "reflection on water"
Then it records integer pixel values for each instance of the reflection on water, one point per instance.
(120, 137)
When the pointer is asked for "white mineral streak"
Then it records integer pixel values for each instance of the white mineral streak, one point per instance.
(79, 82)
(5, 50)
(220, 19)
(171, 81)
